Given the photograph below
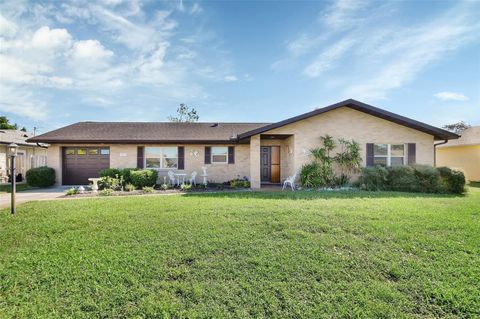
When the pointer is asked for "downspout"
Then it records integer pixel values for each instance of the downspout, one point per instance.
(435, 152)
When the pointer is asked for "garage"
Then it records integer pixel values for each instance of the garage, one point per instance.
(82, 163)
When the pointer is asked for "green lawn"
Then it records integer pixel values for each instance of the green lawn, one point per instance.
(288, 255)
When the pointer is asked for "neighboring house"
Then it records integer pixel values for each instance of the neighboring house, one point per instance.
(463, 153)
(29, 154)
(262, 152)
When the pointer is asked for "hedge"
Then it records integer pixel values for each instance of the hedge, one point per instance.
(41, 176)
(419, 178)
(143, 177)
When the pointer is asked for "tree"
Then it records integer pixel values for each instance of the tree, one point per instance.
(184, 114)
(457, 127)
(5, 124)
(23, 129)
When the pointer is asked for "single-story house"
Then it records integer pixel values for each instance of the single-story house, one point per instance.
(463, 153)
(262, 152)
(30, 154)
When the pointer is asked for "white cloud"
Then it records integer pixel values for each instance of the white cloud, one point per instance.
(22, 103)
(451, 96)
(327, 59)
(51, 39)
(230, 78)
(7, 27)
(90, 54)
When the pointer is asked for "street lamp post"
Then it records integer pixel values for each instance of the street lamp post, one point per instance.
(12, 152)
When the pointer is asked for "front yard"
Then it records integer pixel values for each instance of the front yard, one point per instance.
(252, 254)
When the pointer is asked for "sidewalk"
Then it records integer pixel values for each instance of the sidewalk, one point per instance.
(32, 195)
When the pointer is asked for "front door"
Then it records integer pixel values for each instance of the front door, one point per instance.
(270, 164)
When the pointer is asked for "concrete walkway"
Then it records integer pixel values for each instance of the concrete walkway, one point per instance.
(32, 195)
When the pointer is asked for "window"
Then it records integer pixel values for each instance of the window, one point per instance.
(93, 151)
(161, 157)
(105, 151)
(220, 154)
(70, 151)
(82, 151)
(389, 154)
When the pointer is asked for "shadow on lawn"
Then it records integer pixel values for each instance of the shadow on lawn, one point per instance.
(311, 195)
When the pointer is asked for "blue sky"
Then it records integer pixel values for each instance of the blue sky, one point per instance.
(117, 60)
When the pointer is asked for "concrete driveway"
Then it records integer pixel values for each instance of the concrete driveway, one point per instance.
(33, 195)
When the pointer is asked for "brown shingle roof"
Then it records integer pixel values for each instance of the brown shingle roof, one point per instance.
(146, 132)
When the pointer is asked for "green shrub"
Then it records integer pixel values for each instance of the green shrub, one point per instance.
(165, 186)
(402, 179)
(374, 178)
(130, 187)
(428, 179)
(143, 177)
(110, 172)
(71, 191)
(108, 182)
(106, 192)
(148, 189)
(310, 175)
(452, 180)
(185, 187)
(126, 174)
(239, 183)
(41, 176)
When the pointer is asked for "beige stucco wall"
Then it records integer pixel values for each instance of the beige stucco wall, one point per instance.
(466, 158)
(351, 124)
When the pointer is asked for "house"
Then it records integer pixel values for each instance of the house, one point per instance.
(30, 154)
(463, 153)
(262, 152)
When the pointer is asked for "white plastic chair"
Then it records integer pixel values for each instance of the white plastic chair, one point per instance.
(191, 180)
(171, 178)
(289, 180)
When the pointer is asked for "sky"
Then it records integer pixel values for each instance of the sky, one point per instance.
(236, 61)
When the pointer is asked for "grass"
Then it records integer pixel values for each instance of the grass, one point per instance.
(243, 255)
(19, 187)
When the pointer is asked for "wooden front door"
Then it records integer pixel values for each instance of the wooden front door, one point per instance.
(270, 164)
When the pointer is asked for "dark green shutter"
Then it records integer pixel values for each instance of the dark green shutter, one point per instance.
(412, 152)
(231, 155)
(208, 155)
(140, 152)
(181, 157)
(370, 156)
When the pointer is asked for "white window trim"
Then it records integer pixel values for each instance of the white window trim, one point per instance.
(389, 153)
(161, 158)
(211, 155)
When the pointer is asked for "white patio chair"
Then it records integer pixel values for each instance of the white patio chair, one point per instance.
(289, 180)
(171, 178)
(191, 180)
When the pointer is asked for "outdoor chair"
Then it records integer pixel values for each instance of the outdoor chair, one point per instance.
(192, 178)
(171, 178)
(290, 180)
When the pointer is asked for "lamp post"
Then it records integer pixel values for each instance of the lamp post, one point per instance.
(12, 152)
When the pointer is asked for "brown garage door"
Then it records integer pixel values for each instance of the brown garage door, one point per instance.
(82, 163)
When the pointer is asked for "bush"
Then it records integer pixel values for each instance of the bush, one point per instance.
(108, 182)
(428, 179)
(130, 187)
(310, 175)
(165, 186)
(148, 189)
(239, 183)
(143, 177)
(452, 180)
(41, 176)
(402, 179)
(110, 172)
(185, 187)
(71, 191)
(374, 178)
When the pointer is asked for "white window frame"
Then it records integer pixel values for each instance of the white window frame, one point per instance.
(161, 157)
(389, 153)
(212, 154)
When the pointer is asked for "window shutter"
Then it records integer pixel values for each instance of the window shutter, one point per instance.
(370, 154)
(412, 152)
(208, 155)
(181, 157)
(231, 155)
(140, 150)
